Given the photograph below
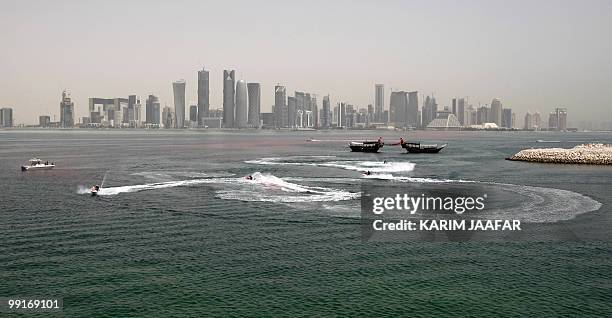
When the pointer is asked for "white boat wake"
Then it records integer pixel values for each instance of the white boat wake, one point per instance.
(354, 165)
(263, 187)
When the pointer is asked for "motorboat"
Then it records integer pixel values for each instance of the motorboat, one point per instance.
(417, 147)
(94, 190)
(37, 164)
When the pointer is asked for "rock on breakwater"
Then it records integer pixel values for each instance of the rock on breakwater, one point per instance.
(595, 154)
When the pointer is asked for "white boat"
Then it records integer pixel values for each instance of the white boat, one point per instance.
(37, 164)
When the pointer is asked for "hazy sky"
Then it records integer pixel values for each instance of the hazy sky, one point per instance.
(534, 55)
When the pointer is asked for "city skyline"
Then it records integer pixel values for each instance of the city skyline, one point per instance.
(551, 59)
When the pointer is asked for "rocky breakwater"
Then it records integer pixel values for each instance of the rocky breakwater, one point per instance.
(594, 154)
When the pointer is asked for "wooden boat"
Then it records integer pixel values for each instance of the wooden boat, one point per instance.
(417, 147)
(365, 146)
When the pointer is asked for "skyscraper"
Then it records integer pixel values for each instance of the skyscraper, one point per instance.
(193, 114)
(413, 109)
(66, 111)
(454, 106)
(168, 117)
(315, 110)
(292, 111)
(6, 117)
(241, 111)
(496, 111)
(326, 113)
(152, 110)
(280, 97)
(203, 95)
(537, 120)
(528, 121)
(461, 111)
(379, 102)
(229, 102)
(254, 104)
(506, 118)
(561, 118)
(398, 109)
(179, 103)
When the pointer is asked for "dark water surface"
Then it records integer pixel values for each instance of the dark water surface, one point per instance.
(178, 231)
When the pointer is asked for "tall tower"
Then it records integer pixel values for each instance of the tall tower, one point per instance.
(179, 103)
(326, 113)
(241, 105)
(379, 101)
(152, 109)
(229, 103)
(203, 95)
(461, 111)
(254, 104)
(292, 111)
(413, 109)
(398, 109)
(496, 111)
(66, 111)
(280, 100)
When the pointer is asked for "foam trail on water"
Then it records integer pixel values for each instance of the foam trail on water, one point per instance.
(544, 205)
(151, 186)
(82, 189)
(362, 166)
(372, 166)
(388, 176)
(269, 188)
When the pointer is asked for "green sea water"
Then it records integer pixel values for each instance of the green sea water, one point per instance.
(180, 233)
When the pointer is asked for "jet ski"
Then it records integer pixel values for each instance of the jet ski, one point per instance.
(249, 177)
(94, 190)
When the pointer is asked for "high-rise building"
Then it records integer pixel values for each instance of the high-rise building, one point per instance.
(314, 109)
(413, 109)
(193, 114)
(430, 110)
(152, 111)
(178, 88)
(229, 102)
(66, 111)
(168, 117)
(461, 111)
(398, 109)
(561, 118)
(496, 111)
(203, 95)
(454, 107)
(528, 121)
(280, 100)
(242, 112)
(379, 101)
(326, 113)
(341, 117)
(137, 113)
(254, 90)
(292, 111)
(506, 118)
(6, 117)
(537, 120)
(482, 115)
(44, 121)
